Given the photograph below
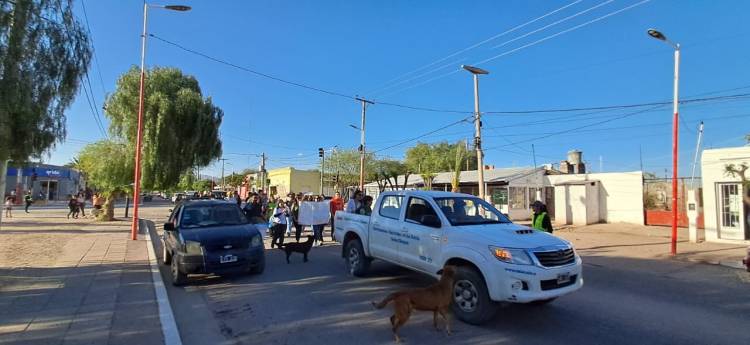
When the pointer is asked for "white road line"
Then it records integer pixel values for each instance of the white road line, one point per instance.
(166, 317)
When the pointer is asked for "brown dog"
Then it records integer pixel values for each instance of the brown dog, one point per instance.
(436, 298)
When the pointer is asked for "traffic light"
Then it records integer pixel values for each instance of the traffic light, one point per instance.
(320, 152)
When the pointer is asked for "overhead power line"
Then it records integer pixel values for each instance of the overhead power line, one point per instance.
(261, 74)
(387, 86)
(96, 59)
(522, 47)
(438, 110)
(423, 135)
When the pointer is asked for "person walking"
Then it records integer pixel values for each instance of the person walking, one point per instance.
(81, 199)
(289, 201)
(354, 203)
(9, 206)
(280, 220)
(254, 210)
(237, 199)
(295, 216)
(337, 204)
(318, 228)
(29, 199)
(73, 207)
(540, 220)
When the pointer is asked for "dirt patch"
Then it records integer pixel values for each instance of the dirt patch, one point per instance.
(31, 250)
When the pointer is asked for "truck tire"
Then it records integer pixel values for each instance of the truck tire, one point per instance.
(471, 300)
(357, 263)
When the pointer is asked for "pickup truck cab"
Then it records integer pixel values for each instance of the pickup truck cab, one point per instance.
(498, 261)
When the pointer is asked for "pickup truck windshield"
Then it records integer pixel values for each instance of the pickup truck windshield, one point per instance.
(469, 211)
(202, 216)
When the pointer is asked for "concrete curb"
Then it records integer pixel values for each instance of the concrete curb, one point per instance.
(166, 316)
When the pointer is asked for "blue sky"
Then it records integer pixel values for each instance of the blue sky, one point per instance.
(357, 47)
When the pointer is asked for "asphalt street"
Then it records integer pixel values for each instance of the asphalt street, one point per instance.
(624, 301)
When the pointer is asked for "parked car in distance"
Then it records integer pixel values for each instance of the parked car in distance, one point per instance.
(219, 195)
(498, 261)
(211, 236)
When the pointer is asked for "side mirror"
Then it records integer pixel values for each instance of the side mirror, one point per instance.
(430, 220)
(168, 226)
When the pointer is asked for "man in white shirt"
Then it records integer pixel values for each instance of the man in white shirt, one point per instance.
(354, 202)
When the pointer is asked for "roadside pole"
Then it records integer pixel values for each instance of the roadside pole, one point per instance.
(362, 144)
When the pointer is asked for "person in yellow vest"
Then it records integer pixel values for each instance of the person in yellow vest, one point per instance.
(540, 220)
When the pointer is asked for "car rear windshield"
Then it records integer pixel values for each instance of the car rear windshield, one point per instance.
(201, 216)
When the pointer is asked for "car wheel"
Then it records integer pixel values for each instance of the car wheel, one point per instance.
(542, 302)
(178, 277)
(471, 300)
(357, 263)
(258, 269)
(166, 256)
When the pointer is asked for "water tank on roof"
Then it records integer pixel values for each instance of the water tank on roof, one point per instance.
(575, 157)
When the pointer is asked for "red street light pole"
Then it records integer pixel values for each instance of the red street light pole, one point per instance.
(139, 135)
(675, 125)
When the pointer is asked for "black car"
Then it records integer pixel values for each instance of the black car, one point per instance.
(209, 236)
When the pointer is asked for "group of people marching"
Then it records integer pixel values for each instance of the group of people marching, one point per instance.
(283, 214)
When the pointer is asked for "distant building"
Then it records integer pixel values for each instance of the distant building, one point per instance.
(282, 181)
(46, 182)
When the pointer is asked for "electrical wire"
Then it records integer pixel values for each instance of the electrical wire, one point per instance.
(423, 135)
(96, 59)
(260, 74)
(521, 47)
(385, 85)
(94, 113)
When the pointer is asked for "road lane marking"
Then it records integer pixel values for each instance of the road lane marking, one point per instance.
(166, 316)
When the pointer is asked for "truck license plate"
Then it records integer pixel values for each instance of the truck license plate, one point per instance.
(563, 278)
(227, 258)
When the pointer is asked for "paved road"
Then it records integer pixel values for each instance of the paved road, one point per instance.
(623, 300)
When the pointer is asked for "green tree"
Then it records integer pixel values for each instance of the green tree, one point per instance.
(345, 165)
(429, 159)
(386, 171)
(44, 51)
(181, 127)
(458, 163)
(235, 180)
(109, 167)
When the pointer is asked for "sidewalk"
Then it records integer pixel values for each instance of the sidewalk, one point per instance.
(74, 281)
(649, 242)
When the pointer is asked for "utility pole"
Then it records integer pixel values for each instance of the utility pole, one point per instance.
(362, 144)
(533, 154)
(601, 163)
(322, 155)
(697, 152)
(640, 156)
(262, 171)
(478, 127)
(223, 184)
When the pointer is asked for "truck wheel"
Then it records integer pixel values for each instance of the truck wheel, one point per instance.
(357, 263)
(166, 256)
(471, 301)
(178, 277)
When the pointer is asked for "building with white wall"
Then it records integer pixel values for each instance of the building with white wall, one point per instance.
(726, 215)
(582, 199)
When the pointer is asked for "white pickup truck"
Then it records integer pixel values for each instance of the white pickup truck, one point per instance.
(498, 261)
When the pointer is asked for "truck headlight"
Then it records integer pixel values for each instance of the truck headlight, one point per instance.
(193, 248)
(256, 241)
(511, 256)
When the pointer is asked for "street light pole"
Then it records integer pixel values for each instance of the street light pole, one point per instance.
(362, 144)
(478, 127)
(675, 130)
(139, 135)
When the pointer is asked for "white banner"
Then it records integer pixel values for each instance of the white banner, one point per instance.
(313, 213)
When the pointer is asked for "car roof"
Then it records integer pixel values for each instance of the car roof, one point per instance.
(428, 193)
(206, 202)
